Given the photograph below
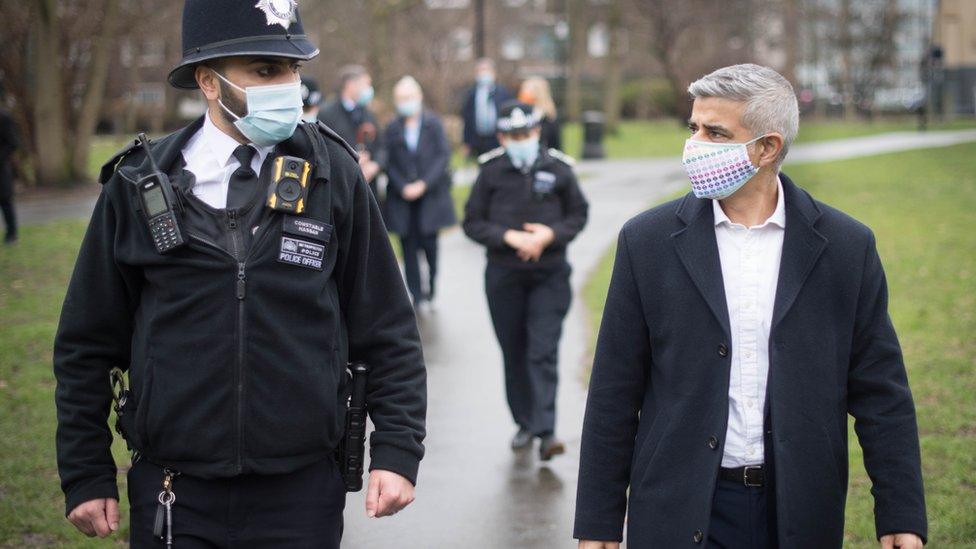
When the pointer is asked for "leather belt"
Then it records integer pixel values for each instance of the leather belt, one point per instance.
(750, 475)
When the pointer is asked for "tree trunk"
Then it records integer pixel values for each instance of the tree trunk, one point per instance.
(577, 55)
(50, 128)
(91, 104)
(845, 20)
(614, 69)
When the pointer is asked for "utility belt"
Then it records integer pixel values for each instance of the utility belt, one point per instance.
(349, 455)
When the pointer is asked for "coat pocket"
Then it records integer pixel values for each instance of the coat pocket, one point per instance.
(648, 449)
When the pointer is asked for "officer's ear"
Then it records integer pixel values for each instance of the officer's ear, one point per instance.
(502, 138)
(208, 82)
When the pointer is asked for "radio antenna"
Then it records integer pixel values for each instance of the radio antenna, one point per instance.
(144, 141)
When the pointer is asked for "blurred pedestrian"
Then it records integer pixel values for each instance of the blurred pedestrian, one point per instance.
(311, 99)
(350, 117)
(418, 194)
(480, 109)
(535, 91)
(9, 142)
(525, 208)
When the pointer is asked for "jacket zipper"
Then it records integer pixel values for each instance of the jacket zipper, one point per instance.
(241, 294)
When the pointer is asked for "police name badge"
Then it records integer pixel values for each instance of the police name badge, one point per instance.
(278, 12)
(303, 242)
(544, 183)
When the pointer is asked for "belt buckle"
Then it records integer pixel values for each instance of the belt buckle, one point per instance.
(745, 475)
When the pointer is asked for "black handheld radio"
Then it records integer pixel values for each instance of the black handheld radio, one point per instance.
(160, 205)
(353, 450)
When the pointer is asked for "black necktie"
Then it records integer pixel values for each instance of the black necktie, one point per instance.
(243, 179)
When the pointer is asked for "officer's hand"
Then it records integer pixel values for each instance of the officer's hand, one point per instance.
(590, 544)
(516, 239)
(97, 517)
(901, 541)
(387, 493)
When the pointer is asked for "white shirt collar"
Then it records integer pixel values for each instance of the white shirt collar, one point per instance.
(222, 146)
(777, 218)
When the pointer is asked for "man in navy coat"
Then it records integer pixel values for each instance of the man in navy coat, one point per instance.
(480, 109)
(744, 322)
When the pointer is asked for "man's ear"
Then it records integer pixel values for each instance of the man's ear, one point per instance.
(208, 82)
(771, 145)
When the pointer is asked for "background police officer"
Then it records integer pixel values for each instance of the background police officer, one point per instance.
(525, 208)
(236, 344)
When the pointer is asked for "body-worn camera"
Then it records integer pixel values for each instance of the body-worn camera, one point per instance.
(288, 189)
(160, 206)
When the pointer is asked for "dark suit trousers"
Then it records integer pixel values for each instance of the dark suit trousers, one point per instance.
(413, 243)
(9, 216)
(527, 309)
(741, 517)
(299, 509)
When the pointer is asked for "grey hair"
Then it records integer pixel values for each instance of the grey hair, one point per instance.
(771, 104)
(408, 82)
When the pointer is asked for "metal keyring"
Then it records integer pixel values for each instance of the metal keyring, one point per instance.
(163, 500)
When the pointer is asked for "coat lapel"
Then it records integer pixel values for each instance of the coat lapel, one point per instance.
(698, 251)
(802, 247)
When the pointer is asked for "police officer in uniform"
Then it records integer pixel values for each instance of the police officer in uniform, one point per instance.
(236, 344)
(525, 208)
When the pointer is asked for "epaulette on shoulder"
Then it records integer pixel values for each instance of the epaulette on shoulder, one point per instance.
(331, 134)
(562, 157)
(491, 155)
(108, 169)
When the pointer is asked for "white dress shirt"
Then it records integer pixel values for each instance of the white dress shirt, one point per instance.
(209, 156)
(750, 258)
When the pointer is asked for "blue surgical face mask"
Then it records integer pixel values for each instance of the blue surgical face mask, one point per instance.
(273, 111)
(365, 96)
(523, 152)
(485, 79)
(407, 109)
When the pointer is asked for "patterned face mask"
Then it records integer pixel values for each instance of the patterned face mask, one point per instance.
(717, 170)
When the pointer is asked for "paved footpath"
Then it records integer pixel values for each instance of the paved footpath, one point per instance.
(473, 491)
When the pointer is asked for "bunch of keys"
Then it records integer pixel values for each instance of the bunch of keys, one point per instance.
(163, 525)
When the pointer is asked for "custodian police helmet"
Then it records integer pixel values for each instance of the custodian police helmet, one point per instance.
(515, 116)
(224, 28)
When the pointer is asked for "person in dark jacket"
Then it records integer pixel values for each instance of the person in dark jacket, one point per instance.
(349, 115)
(525, 208)
(236, 344)
(744, 322)
(535, 91)
(480, 109)
(418, 194)
(9, 142)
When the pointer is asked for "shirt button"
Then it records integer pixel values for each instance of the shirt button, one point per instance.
(748, 354)
(698, 536)
(712, 442)
(723, 350)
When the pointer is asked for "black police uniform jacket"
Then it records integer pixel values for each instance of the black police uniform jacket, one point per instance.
(235, 367)
(657, 409)
(504, 197)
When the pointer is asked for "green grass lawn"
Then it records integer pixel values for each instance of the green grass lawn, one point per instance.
(920, 205)
(33, 278)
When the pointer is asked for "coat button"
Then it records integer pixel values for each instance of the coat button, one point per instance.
(723, 350)
(698, 537)
(712, 442)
